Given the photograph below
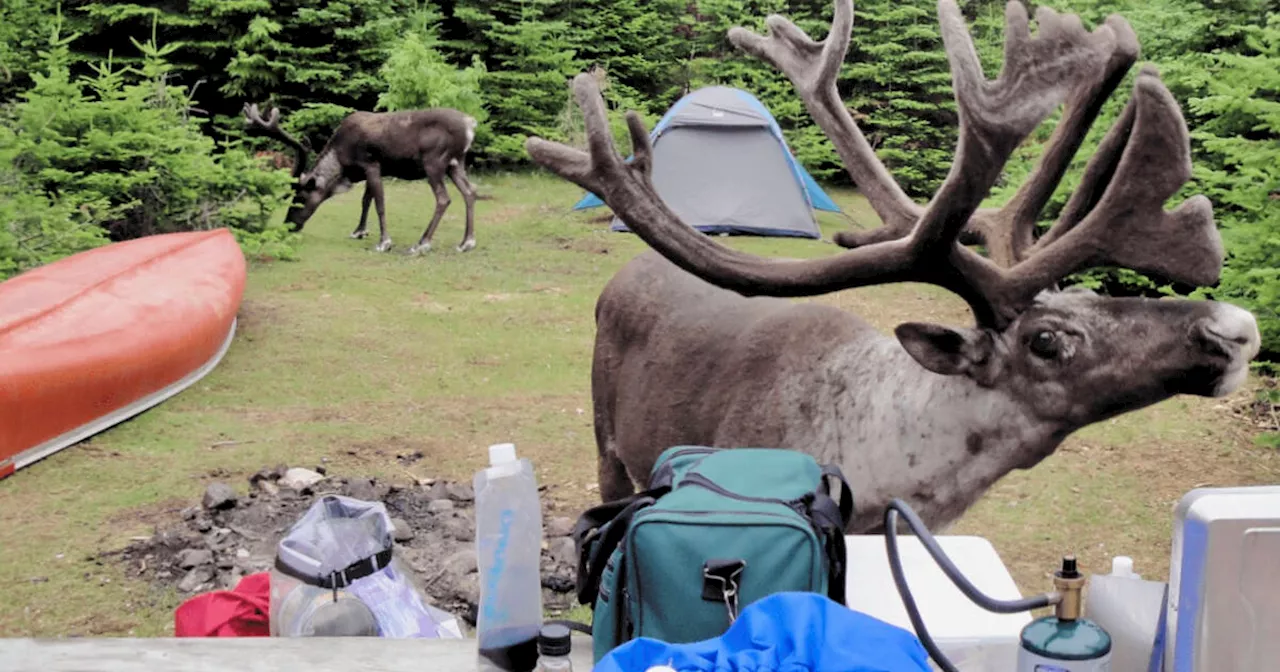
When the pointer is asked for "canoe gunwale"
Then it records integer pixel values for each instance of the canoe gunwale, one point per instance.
(104, 422)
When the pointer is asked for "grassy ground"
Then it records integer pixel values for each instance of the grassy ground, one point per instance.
(353, 357)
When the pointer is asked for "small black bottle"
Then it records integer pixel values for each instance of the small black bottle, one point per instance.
(553, 649)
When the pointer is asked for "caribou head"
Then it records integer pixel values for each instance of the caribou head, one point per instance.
(937, 414)
(310, 188)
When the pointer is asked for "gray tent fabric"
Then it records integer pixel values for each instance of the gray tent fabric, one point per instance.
(720, 162)
(729, 179)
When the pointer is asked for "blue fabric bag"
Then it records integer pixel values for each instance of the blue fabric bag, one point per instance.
(784, 632)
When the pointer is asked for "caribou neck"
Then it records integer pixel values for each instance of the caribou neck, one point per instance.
(936, 441)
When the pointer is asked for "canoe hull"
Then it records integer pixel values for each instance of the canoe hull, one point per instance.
(94, 339)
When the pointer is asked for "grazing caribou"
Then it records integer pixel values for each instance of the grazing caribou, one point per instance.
(692, 349)
(407, 145)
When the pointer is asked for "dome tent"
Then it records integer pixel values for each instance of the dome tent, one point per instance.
(720, 163)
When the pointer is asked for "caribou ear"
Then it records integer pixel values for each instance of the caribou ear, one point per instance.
(945, 350)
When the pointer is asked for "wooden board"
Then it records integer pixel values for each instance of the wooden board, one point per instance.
(249, 654)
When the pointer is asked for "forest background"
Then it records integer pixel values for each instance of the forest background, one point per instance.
(122, 119)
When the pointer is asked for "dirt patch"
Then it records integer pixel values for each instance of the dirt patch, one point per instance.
(1262, 408)
(212, 542)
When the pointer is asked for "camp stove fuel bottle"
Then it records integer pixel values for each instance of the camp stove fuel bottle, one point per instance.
(1065, 642)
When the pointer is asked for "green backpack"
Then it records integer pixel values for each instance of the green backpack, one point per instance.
(717, 530)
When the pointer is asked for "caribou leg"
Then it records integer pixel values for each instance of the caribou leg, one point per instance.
(373, 182)
(361, 230)
(459, 176)
(442, 204)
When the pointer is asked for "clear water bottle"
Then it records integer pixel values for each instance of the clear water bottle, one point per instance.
(1128, 607)
(509, 550)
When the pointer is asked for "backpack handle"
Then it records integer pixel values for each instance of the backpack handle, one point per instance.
(831, 471)
(613, 518)
(833, 517)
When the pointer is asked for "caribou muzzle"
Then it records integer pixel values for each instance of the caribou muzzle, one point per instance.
(1228, 337)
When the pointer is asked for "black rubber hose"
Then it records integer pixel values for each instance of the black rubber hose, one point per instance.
(917, 526)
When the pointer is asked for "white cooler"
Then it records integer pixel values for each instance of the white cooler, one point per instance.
(975, 639)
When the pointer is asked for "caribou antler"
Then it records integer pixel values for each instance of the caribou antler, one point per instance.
(1145, 159)
(1009, 232)
(270, 127)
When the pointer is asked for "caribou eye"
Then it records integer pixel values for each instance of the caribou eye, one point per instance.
(1045, 344)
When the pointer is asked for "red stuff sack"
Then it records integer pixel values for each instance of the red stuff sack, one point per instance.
(242, 612)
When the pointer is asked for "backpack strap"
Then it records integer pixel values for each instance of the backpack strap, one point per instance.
(599, 531)
(832, 472)
(832, 518)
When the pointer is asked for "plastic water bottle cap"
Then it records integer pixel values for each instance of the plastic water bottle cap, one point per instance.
(502, 453)
(1122, 565)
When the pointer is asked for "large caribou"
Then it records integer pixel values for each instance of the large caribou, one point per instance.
(368, 146)
(688, 351)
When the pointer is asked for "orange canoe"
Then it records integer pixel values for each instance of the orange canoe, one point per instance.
(93, 339)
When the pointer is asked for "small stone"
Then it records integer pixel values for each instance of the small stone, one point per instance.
(204, 524)
(401, 530)
(269, 488)
(559, 584)
(225, 562)
(460, 492)
(242, 553)
(362, 489)
(190, 512)
(559, 527)
(462, 563)
(440, 506)
(195, 578)
(191, 557)
(437, 490)
(563, 550)
(321, 470)
(299, 479)
(468, 589)
(460, 528)
(219, 496)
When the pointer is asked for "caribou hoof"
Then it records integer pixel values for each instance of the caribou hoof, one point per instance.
(359, 234)
(419, 249)
(383, 246)
(468, 244)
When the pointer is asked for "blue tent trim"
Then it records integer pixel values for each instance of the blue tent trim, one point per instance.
(814, 195)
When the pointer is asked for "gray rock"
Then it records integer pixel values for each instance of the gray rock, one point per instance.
(190, 557)
(195, 578)
(460, 492)
(440, 506)
(273, 474)
(469, 590)
(562, 550)
(559, 527)
(204, 524)
(299, 479)
(435, 491)
(462, 563)
(401, 530)
(190, 512)
(219, 496)
(242, 553)
(268, 488)
(230, 579)
(226, 562)
(460, 528)
(362, 489)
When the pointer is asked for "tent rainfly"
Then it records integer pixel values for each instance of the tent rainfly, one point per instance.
(720, 163)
